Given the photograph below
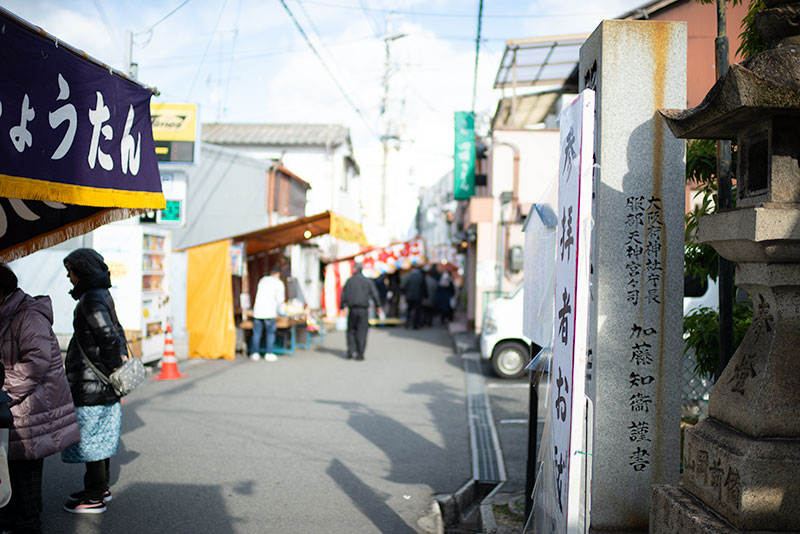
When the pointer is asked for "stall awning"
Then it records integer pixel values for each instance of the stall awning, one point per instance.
(76, 149)
(301, 230)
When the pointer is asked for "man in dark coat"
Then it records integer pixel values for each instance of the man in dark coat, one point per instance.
(356, 294)
(415, 290)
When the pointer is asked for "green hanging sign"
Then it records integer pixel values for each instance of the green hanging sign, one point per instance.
(464, 155)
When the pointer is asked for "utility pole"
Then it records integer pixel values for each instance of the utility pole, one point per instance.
(384, 117)
(132, 69)
(725, 267)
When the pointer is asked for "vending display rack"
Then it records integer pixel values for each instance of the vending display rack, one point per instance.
(138, 256)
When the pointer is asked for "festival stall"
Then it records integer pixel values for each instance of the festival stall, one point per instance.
(388, 260)
(77, 149)
(211, 295)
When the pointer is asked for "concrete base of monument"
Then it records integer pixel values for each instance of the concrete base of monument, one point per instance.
(673, 509)
(753, 483)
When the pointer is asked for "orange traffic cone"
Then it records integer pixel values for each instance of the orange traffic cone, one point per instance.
(169, 363)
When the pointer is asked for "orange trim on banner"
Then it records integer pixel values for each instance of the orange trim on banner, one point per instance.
(30, 189)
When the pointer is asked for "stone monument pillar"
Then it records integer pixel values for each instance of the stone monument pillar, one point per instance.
(742, 464)
(635, 68)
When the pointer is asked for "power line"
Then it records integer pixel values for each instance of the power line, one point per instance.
(319, 35)
(106, 22)
(477, 53)
(230, 64)
(173, 60)
(325, 66)
(165, 17)
(368, 14)
(208, 45)
(457, 15)
(311, 22)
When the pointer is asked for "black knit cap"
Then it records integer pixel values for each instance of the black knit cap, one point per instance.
(90, 268)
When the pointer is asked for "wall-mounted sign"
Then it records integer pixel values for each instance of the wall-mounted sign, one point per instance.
(174, 131)
(171, 214)
(174, 213)
(464, 155)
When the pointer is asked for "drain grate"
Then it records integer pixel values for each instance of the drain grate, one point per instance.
(487, 458)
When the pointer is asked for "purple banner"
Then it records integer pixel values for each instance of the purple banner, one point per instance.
(71, 130)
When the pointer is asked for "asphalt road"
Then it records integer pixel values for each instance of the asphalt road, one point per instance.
(311, 443)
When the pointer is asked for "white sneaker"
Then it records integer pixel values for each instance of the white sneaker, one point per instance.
(270, 357)
(255, 356)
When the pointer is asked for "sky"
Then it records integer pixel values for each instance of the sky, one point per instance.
(251, 61)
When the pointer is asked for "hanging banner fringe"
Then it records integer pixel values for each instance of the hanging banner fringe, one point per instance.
(67, 231)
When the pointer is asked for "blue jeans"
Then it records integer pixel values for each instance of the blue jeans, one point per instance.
(266, 327)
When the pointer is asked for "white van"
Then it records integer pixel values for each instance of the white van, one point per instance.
(501, 339)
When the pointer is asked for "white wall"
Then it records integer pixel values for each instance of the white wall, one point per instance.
(43, 273)
(538, 162)
(538, 174)
(324, 171)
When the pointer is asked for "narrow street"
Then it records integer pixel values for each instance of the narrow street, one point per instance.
(311, 443)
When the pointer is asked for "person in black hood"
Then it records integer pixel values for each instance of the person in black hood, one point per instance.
(98, 337)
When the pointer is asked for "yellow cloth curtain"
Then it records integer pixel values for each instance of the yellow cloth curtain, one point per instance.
(347, 230)
(209, 302)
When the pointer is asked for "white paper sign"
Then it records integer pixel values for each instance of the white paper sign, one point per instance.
(571, 308)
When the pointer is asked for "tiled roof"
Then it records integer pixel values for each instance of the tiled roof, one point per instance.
(275, 134)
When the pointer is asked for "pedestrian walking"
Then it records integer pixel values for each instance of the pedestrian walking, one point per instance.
(44, 415)
(98, 340)
(429, 302)
(383, 291)
(445, 292)
(394, 293)
(415, 290)
(355, 296)
(270, 295)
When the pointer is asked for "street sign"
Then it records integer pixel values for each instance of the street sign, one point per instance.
(464, 155)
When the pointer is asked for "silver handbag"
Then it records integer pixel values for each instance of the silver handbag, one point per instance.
(124, 378)
(127, 376)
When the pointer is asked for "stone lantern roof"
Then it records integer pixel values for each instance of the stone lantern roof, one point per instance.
(764, 86)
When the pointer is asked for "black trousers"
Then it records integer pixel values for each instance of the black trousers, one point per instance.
(23, 511)
(414, 314)
(95, 480)
(357, 325)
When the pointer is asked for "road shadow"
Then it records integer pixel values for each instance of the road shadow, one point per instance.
(145, 507)
(339, 353)
(367, 500)
(413, 457)
(435, 335)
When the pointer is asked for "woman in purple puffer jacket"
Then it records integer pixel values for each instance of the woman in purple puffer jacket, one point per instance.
(44, 415)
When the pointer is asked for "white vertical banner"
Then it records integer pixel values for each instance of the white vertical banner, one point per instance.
(573, 257)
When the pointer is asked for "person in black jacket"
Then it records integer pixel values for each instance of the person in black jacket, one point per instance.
(356, 294)
(415, 290)
(98, 337)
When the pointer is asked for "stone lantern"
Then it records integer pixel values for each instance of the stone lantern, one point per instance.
(742, 463)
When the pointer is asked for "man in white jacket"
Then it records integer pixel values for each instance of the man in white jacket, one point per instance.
(270, 295)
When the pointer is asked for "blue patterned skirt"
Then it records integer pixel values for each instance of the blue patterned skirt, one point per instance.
(100, 428)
